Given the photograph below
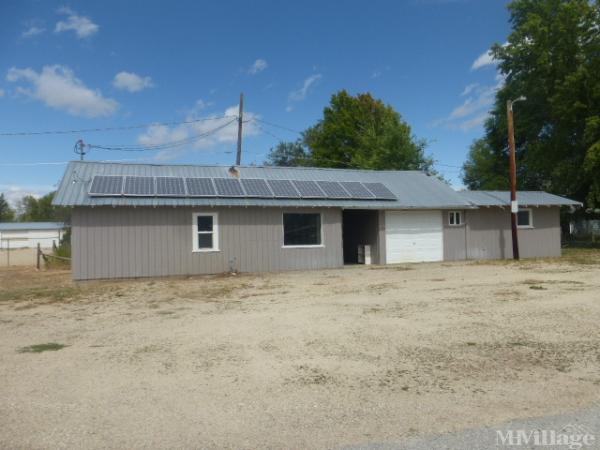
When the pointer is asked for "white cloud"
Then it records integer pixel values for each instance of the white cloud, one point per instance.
(131, 82)
(2, 93)
(474, 109)
(485, 59)
(300, 94)
(258, 66)
(81, 25)
(226, 133)
(376, 74)
(59, 88)
(32, 31)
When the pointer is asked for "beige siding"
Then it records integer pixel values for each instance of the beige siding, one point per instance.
(486, 235)
(141, 242)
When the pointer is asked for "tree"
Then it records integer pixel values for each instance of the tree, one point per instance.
(32, 209)
(355, 132)
(7, 214)
(552, 58)
(362, 132)
(289, 154)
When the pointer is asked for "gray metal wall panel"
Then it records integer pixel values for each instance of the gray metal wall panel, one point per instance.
(455, 239)
(489, 235)
(140, 242)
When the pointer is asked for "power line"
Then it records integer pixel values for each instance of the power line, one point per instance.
(164, 146)
(278, 126)
(127, 127)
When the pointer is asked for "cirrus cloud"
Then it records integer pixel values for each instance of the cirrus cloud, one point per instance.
(57, 87)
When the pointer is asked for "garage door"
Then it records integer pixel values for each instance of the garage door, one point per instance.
(413, 236)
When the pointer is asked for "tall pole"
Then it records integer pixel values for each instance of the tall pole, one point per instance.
(238, 159)
(514, 205)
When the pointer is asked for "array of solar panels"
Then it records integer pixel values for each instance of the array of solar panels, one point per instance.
(137, 186)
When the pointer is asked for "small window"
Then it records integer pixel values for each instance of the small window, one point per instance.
(455, 218)
(524, 218)
(301, 230)
(205, 233)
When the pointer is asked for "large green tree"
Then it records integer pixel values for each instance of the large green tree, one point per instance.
(553, 58)
(33, 209)
(7, 214)
(289, 154)
(356, 132)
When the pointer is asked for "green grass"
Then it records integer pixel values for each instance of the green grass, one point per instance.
(39, 348)
(53, 294)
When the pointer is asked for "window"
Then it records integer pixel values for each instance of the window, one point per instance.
(302, 230)
(524, 218)
(455, 218)
(205, 232)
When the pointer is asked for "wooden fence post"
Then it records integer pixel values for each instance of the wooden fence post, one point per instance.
(39, 254)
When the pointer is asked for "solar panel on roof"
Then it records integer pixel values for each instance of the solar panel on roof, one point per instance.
(357, 190)
(255, 187)
(200, 187)
(309, 189)
(139, 186)
(106, 185)
(333, 189)
(228, 187)
(170, 187)
(283, 189)
(380, 191)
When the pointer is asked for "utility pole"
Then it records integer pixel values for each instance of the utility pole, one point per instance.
(238, 159)
(514, 205)
(80, 149)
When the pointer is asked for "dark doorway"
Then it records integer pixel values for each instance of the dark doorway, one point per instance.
(360, 227)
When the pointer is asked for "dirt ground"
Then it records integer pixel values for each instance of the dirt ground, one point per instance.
(316, 359)
(19, 257)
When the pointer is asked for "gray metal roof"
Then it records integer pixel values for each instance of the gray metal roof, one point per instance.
(9, 226)
(413, 189)
(525, 198)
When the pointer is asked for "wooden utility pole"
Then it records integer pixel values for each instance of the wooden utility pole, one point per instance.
(514, 205)
(238, 159)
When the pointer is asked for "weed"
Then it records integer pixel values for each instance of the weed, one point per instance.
(39, 348)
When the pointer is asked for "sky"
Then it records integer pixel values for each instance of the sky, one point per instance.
(156, 64)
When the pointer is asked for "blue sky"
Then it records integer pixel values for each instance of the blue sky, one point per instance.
(105, 64)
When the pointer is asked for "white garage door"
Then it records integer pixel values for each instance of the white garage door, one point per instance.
(414, 236)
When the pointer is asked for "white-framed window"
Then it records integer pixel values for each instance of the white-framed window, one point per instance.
(205, 232)
(455, 218)
(525, 218)
(302, 230)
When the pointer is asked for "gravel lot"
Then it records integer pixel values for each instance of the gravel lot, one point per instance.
(316, 359)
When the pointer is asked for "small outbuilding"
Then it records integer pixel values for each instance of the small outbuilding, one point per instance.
(143, 220)
(30, 234)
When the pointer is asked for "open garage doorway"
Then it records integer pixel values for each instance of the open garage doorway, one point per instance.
(360, 227)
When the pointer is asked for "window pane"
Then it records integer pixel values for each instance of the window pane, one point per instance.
(205, 240)
(301, 229)
(451, 218)
(457, 218)
(205, 223)
(523, 218)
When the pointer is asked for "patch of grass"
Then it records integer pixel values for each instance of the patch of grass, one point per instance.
(51, 293)
(537, 287)
(391, 267)
(39, 348)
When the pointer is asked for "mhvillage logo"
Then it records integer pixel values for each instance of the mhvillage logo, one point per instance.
(572, 437)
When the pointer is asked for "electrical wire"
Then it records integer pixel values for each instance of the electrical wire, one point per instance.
(163, 146)
(278, 126)
(127, 127)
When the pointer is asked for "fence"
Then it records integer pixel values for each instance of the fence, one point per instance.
(585, 228)
(17, 255)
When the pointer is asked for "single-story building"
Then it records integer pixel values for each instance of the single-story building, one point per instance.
(30, 234)
(142, 220)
